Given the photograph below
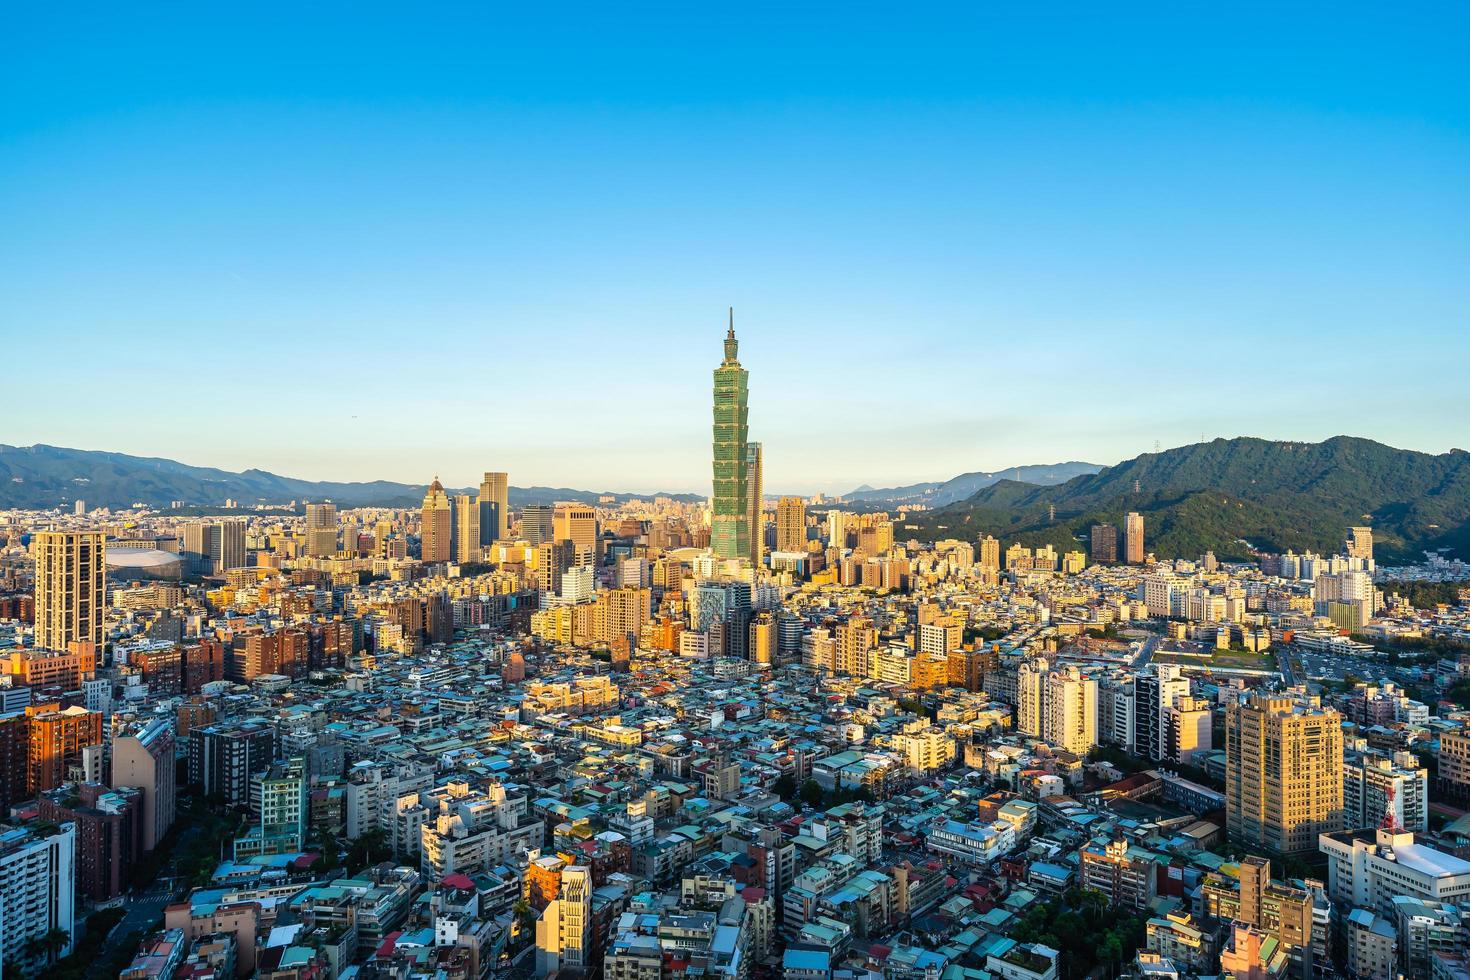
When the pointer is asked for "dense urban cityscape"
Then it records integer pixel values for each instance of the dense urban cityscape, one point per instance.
(738, 737)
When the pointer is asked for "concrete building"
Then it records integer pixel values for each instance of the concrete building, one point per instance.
(37, 889)
(71, 588)
(144, 759)
(1283, 773)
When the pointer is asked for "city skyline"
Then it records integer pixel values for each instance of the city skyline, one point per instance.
(1069, 202)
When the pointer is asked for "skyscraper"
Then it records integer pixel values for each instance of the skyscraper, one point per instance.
(1283, 773)
(226, 544)
(71, 588)
(755, 487)
(494, 508)
(1104, 543)
(1360, 542)
(576, 523)
(321, 529)
(730, 502)
(536, 524)
(791, 524)
(1133, 538)
(466, 528)
(436, 530)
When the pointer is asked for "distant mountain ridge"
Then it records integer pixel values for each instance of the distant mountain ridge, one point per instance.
(42, 477)
(961, 487)
(1234, 495)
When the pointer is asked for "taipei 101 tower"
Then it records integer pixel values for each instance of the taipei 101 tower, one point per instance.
(730, 530)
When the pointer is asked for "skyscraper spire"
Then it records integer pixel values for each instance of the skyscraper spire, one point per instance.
(732, 346)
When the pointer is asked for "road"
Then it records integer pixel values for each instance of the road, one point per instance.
(1147, 653)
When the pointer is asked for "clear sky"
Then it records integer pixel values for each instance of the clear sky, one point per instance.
(366, 241)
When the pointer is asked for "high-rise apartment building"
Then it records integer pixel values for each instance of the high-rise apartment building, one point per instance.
(990, 553)
(71, 588)
(755, 488)
(791, 524)
(1133, 538)
(837, 529)
(224, 758)
(321, 530)
(1104, 543)
(730, 528)
(1069, 715)
(144, 759)
(38, 881)
(494, 508)
(1154, 693)
(436, 530)
(1360, 543)
(1283, 772)
(537, 523)
(55, 741)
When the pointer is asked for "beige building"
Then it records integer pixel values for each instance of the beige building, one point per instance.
(1069, 718)
(791, 524)
(466, 528)
(1283, 772)
(71, 588)
(576, 523)
(436, 532)
(1133, 539)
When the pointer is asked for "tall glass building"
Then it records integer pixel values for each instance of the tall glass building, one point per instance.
(730, 526)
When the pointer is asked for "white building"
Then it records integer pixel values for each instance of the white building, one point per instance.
(1367, 868)
(37, 889)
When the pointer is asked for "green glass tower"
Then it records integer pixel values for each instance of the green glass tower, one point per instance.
(730, 524)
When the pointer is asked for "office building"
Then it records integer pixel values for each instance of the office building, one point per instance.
(1359, 543)
(1283, 773)
(791, 524)
(71, 588)
(1367, 868)
(436, 528)
(755, 488)
(1133, 539)
(321, 530)
(494, 502)
(1104, 543)
(730, 528)
(144, 759)
(537, 523)
(577, 524)
(466, 528)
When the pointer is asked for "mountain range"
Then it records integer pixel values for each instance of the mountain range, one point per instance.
(1236, 496)
(42, 477)
(968, 484)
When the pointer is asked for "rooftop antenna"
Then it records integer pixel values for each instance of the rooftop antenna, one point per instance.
(1390, 818)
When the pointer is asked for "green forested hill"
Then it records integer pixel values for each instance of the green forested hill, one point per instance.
(1231, 495)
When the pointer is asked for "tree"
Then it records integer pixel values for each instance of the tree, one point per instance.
(811, 792)
(785, 786)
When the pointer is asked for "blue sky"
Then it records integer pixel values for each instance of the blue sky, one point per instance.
(387, 241)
